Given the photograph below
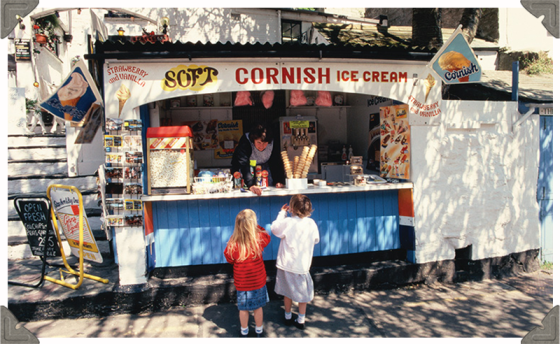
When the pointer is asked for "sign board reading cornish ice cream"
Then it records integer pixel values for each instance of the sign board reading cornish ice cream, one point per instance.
(76, 98)
(129, 85)
(455, 62)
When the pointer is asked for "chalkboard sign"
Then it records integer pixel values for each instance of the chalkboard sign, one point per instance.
(35, 215)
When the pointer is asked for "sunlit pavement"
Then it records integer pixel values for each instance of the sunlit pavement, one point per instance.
(505, 308)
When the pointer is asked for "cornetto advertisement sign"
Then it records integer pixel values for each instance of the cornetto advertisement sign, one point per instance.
(130, 85)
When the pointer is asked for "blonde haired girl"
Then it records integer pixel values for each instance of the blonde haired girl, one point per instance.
(244, 250)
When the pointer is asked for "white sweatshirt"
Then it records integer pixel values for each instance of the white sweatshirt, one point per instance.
(298, 235)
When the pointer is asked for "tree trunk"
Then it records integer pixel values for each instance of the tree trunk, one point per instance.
(426, 28)
(470, 20)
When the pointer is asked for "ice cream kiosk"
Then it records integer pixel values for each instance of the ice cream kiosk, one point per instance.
(185, 226)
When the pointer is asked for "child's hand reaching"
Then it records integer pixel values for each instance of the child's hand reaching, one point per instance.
(285, 207)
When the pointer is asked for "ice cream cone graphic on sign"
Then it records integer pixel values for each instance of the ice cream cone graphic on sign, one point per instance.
(429, 83)
(122, 95)
(71, 93)
(454, 61)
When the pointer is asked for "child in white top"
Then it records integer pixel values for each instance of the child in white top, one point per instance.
(299, 234)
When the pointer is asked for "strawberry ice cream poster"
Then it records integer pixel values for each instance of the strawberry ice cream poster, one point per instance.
(395, 141)
(455, 62)
(75, 98)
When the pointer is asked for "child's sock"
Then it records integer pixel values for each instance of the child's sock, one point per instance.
(258, 329)
(245, 331)
(288, 316)
(301, 318)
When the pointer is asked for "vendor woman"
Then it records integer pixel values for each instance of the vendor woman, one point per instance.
(258, 144)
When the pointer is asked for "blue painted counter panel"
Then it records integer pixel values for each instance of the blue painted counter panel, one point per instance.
(195, 232)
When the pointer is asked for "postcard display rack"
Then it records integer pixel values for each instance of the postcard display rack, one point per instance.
(169, 160)
(121, 176)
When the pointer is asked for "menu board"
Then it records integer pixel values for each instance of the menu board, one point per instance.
(204, 134)
(23, 50)
(395, 141)
(36, 218)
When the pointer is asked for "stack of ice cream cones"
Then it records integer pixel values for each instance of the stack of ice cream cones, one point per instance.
(308, 160)
(287, 165)
(299, 167)
(301, 162)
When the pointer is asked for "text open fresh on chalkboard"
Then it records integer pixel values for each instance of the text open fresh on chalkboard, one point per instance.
(36, 219)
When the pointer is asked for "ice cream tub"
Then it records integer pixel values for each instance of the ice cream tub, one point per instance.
(296, 183)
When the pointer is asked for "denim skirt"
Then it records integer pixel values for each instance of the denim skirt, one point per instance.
(252, 299)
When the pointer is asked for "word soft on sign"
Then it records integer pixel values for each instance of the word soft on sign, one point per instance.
(190, 77)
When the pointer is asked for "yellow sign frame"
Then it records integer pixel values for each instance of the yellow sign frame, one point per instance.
(69, 270)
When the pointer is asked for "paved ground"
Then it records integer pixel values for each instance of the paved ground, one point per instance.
(505, 308)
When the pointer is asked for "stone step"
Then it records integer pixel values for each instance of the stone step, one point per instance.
(36, 153)
(38, 167)
(19, 141)
(33, 185)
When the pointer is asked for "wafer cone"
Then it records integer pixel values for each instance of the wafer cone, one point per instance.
(123, 94)
(429, 83)
(121, 105)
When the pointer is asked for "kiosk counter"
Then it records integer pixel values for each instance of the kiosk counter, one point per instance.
(194, 229)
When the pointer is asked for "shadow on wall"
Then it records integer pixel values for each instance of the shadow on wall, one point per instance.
(475, 182)
(212, 25)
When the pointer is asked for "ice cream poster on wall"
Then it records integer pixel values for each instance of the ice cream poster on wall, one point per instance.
(395, 140)
(455, 62)
(76, 98)
(229, 134)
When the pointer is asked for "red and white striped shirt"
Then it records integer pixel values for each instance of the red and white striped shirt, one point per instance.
(250, 273)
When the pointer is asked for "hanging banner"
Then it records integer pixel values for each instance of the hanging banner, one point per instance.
(229, 134)
(455, 62)
(395, 140)
(76, 98)
(66, 206)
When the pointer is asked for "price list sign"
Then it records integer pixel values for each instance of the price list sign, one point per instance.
(23, 51)
(35, 216)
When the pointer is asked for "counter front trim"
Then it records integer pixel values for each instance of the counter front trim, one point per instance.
(272, 191)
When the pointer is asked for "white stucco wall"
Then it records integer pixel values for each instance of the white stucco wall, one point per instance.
(521, 31)
(208, 24)
(475, 182)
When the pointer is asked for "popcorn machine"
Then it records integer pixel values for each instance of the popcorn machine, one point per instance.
(298, 132)
(169, 159)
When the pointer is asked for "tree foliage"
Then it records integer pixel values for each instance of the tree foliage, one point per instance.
(426, 28)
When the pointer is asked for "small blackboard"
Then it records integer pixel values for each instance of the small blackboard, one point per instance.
(36, 218)
(23, 50)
